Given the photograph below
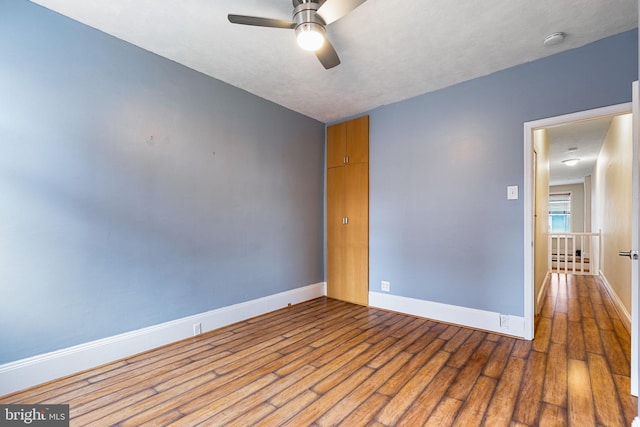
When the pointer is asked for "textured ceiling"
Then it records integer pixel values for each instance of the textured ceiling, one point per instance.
(586, 138)
(390, 50)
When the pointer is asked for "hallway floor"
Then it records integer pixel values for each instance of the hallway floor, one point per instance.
(583, 350)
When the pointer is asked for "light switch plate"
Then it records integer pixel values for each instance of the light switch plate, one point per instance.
(512, 192)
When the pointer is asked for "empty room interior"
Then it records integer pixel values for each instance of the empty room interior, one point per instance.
(428, 218)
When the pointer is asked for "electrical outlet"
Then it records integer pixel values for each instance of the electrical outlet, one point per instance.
(385, 286)
(504, 321)
(197, 329)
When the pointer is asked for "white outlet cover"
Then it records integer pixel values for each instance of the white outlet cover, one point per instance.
(504, 321)
(512, 192)
(197, 329)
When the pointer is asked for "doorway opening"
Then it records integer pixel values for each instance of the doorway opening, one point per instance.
(536, 204)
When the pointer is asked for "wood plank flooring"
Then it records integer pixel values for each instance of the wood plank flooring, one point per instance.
(327, 362)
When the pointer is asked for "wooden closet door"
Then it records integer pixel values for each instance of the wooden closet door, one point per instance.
(356, 248)
(348, 211)
(336, 230)
(357, 137)
(336, 145)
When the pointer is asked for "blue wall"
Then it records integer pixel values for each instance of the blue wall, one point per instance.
(134, 190)
(441, 228)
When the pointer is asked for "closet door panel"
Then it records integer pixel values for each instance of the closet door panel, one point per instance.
(356, 247)
(357, 136)
(336, 145)
(336, 229)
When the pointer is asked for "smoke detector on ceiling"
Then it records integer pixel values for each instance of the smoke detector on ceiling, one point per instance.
(554, 38)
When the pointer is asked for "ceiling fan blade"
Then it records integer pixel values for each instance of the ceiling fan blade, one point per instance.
(332, 10)
(260, 22)
(327, 55)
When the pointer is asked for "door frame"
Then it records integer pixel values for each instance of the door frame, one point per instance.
(529, 128)
(635, 241)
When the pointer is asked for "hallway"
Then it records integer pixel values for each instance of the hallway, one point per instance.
(583, 350)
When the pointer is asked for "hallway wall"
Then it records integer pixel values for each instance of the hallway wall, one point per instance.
(612, 197)
(541, 212)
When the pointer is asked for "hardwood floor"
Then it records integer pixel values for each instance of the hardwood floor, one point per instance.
(326, 362)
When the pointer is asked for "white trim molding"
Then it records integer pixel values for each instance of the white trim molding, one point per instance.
(617, 303)
(35, 370)
(625, 317)
(470, 317)
(529, 187)
(542, 292)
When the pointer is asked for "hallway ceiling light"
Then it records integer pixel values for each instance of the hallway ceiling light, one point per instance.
(571, 162)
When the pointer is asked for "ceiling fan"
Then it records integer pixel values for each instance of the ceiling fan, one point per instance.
(310, 17)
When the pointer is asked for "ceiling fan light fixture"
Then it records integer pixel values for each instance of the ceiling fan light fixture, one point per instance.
(309, 19)
(310, 36)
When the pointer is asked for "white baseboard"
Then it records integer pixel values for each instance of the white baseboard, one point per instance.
(617, 302)
(542, 293)
(625, 317)
(35, 370)
(470, 317)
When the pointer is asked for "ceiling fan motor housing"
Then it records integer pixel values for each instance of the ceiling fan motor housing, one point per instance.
(305, 14)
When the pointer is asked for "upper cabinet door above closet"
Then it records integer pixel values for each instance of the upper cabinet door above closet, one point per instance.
(348, 142)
